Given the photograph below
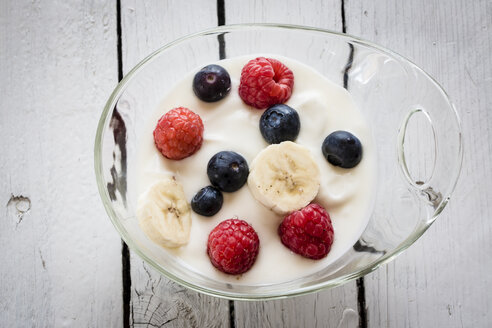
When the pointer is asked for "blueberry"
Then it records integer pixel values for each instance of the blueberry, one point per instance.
(342, 148)
(280, 123)
(207, 201)
(228, 171)
(212, 83)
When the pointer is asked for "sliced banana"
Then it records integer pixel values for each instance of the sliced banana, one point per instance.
(284, 177)
(164, 214)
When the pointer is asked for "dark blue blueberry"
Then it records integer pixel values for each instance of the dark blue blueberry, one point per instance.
(228, 171)
(212, 83)
(342, 148)
(279, 123)
(207, 201)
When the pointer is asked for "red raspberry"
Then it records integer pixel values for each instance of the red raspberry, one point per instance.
(308, 232)
(233, 246)
(265, 82)
(179, 133)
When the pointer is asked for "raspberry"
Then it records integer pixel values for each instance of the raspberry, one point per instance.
(233, 246)
(265, 82)
(179, 133)
(307, 232)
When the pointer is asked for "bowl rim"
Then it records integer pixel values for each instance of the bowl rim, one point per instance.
(98, 166)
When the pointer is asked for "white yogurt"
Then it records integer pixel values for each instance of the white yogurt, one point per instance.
(347, 194)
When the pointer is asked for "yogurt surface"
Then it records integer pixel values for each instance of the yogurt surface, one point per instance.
(347, 194)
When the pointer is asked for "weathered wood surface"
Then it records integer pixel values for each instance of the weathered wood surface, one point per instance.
(61, 257)
(331, 308)
(155, 300)
(443, 280)
(61, 262)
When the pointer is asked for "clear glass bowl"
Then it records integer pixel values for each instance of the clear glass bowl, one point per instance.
(415, 126)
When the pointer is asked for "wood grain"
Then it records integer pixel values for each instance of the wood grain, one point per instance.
(443, 280)
(322, 14)
(331, 308)
(61, 263)
(155, 300)
(61, 259)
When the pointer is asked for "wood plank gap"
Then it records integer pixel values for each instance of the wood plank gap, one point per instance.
(232, 314)
(342, 7)
(361, 293)
(220, 22)
(119, 46)
(125, 252)
(222, 55)
(361, 303)
(351, 55)
(348, 66)
(127, 283)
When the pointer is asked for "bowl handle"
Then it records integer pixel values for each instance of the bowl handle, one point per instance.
(419, 138)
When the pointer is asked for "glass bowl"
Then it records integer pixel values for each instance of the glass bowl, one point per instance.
(415, 126)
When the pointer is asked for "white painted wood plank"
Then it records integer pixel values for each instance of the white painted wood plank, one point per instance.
(155, 300)
(443, 280)
(61, 257)
(316, 13)
(331, 308)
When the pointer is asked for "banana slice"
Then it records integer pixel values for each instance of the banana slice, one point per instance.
(284, 177)
(164, 214)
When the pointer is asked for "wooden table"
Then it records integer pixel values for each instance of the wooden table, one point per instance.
(62, 262)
